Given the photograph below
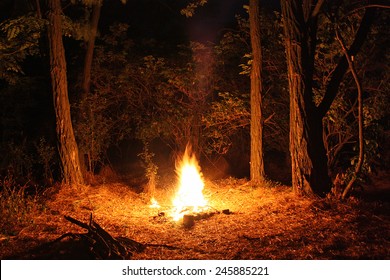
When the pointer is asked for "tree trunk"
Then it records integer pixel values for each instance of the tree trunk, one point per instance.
(85, 156)
(86, 86)
(256, 160)
(308, 154)
(67, 145)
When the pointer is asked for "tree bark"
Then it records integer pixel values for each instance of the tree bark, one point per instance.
(308, 154)
(67, 145)
(256, 128)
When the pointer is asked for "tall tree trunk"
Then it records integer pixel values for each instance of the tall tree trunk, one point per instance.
(308, 154)
(67, 145)
(96, 8)
(256, 158)
(85, 156)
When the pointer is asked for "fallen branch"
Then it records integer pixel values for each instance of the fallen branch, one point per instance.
(102, 245)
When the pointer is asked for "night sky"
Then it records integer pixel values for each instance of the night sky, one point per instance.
(161, 19)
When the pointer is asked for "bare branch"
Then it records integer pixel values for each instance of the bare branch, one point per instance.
(342, 66)
(360, 115)
(317, 8)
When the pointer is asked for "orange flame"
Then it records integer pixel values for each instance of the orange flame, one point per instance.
(190, 193)
(154, 203)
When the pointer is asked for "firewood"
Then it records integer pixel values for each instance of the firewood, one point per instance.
(102, 245)
(188, 220)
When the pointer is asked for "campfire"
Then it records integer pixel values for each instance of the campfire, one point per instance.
(189, 198)
(189, 201)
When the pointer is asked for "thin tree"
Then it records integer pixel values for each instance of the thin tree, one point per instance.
(86, 162)
(359, 165)
(93, 27)
(67, 146)
(308, 154)
(256, 127)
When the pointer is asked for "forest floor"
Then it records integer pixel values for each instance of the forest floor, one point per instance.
(264, 222)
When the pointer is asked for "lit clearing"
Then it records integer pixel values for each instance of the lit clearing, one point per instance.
(189, 197)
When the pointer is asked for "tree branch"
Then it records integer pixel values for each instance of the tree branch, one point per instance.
(342, 66)
(360, 116)
(359, 5)
(317, 8)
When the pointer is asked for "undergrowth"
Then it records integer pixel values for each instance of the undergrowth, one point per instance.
(17, 207)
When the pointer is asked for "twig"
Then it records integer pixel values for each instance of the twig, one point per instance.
(251, 238)
(162, 245)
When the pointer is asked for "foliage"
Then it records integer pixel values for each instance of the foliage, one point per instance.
(155, 97)
(19, 38)
(227, 115)
(189, 87)
(30, 162)
(197, 96)
(340, 123)
(151, 168)
(15, 105)
(25, 114)
(189, 10)
(93, 129)
(19, 160)
(46, 158)
(275, 98)
(102, 119)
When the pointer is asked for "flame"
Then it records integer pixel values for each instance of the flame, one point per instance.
(189, 196)
(154, 203)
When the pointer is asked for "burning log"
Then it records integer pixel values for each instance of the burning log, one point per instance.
(188, 221)
(189, 216)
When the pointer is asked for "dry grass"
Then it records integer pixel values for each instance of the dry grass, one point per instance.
(17, 208)
(267, 222)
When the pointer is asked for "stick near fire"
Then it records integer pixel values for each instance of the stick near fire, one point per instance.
(190, 217)
(188, 221)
